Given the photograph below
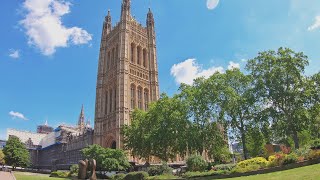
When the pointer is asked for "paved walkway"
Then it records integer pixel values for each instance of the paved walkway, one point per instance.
(6, 176)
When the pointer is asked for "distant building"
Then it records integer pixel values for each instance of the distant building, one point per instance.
(44, 129)
(2, 144)
(59, 148)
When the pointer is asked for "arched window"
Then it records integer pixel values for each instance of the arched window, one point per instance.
(108, 60)
(139, 55)
(110, 101)
(145, 63)
(114, 145)
(115, 100)
(140, 97)
(133, 93)
(132, 52)
(113, 57)
(146, 99)
(116, 56)
(106, 104)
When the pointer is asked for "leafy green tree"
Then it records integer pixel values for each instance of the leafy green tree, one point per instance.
(206, 132)
(2, 161)
(16, 153)
(238, 104)
(281, 85)
(136, 136)
(107, 159)
(255, 142)
(314, 83)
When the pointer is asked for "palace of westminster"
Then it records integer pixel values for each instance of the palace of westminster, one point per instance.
(127, 78)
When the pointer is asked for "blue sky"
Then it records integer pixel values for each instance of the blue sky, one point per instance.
(49, 48)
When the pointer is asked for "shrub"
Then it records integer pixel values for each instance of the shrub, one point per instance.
(249, 168)
(303, 152)
(276, 160)
(74, 169)
(226, 167)
(290, 159)
(166, 176)
(118, 177)
(136, 176)
(314, 154)
(196, 163)
(159, 170)
(315, 144)
(260, 161)
(60, 174)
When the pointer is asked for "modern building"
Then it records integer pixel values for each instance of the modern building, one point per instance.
(127, 74)
(2, 144)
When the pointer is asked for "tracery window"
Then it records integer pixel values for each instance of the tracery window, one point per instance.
(133, 102)
(139, 97)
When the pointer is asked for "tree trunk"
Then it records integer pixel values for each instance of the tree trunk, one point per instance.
(295, 139)
(243, 139)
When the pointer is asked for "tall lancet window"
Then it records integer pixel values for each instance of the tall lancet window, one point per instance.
(146, 99)
(106, 104)
(139, 97)
(145, 58)
(139, 55)
(110, 101)
(115, 99)
(133, 92)
(132, 52)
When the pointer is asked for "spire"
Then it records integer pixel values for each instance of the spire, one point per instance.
(108, 22)
(150, 19)
(81, 122)
(125, 10)
(46, 123)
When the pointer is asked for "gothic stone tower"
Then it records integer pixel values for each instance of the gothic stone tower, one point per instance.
(127, 74)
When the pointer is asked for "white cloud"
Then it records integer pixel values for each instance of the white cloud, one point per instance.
(233, 65)
(15, 54)
(17, 115)
(315, 25)
(212, 4)
(188, 70)
(45, 29)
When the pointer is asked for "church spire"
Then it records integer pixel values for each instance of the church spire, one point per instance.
(150, 19)
(81, 121)
(108, 22)
(125, 10)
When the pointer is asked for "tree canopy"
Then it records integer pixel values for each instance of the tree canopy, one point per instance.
(2, 161)
(16, 153)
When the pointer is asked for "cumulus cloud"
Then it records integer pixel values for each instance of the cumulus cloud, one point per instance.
(15, 54)
(315, 25)
(188, 70)
(44, 27)
(233, 65)
(17, 115)
(212, 4)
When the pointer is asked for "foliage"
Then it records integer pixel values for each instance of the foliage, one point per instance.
(226, 167)
(60, 174)
(255, 142)
(281, 85)
(314, 154)
(260, 161)
(136, 176)
(159, 170)
(2, 161)
(107, 159)
(249, 168)
(161, 132)
(315, 144)
(16, 154)
(204, 174)
(290, 159)
(196, 163)
(118, 176)
(276, 160)
(302, 152)
(74, 169)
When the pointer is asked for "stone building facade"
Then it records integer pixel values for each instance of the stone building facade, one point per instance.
(58, 149)
(127, 74)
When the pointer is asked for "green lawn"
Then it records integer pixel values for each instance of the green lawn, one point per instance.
(34, 176)
(308, 172)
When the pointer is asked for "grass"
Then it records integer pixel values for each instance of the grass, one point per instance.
(165, 176)
(34, 176)
(304, 173)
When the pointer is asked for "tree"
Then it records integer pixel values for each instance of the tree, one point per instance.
(107, 159)
(280, 82)
(238, 104)
(2, 161)
(16, 153)
(206, 130)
